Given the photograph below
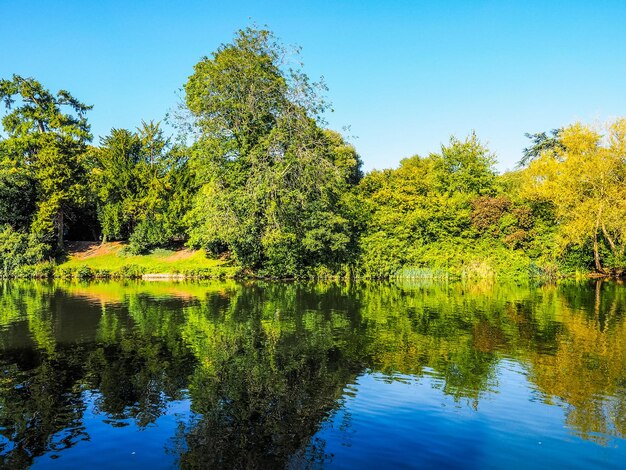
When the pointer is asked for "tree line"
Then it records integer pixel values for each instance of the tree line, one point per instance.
(252, 174)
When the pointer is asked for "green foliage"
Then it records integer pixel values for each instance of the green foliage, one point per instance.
(84, 272)
(140, 180)
(115, 182)
(541, 142)
(426, 202)
(47, 146)
(584, 180)
(449, 214)
(18, 250)
(271, 180)
(256, 179)
(17, 192)
(132, 271)
(148, 234)
(13, 246)
(464, 167)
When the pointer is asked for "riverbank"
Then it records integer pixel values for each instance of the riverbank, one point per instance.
(94, 260)
(87, 260)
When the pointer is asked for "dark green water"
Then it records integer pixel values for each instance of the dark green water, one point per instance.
(226, 375)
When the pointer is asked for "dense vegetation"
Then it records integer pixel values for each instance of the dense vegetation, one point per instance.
(252, 175)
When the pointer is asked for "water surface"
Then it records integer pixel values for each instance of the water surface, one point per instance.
(199, 375)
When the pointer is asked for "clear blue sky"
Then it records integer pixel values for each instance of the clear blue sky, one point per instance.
(405, 75)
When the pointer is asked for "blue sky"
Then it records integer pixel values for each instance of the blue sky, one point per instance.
(404, 75)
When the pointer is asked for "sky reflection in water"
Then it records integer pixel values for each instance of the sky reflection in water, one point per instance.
(266, 375)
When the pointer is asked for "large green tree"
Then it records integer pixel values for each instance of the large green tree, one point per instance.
(47, 136)
(141, 185)
(272, 181)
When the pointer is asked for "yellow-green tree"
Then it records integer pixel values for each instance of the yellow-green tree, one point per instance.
(585, 180)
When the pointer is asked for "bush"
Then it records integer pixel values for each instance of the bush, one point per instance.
(18, 252)
(44, 270)
(84, 272)
(13, 246)
(101, 273)
(63, 272)
(132, 271)
(148, 234)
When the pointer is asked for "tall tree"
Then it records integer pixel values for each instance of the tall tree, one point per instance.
(140, 180)
(116, 183)
(47, 135)
(464, 167)
(541, 142)
(271, 179)
(585, 180)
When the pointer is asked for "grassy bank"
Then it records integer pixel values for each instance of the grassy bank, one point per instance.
(92, 260)
(112, 260)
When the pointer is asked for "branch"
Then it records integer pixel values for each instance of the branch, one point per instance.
(609, 239)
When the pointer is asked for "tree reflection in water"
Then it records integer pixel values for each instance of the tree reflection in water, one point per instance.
(264, 365)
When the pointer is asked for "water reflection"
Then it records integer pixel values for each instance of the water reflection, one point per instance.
(252, 375)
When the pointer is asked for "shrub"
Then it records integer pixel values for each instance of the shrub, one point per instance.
(148, 234)
(63, 272)
(131, 271)
(84, 272)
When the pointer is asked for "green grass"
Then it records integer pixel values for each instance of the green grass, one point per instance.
(113, 261)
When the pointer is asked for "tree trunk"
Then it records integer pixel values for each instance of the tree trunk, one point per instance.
(605, 232)
(61, 229)
(596, 253)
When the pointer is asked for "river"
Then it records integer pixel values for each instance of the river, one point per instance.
(270, 375)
